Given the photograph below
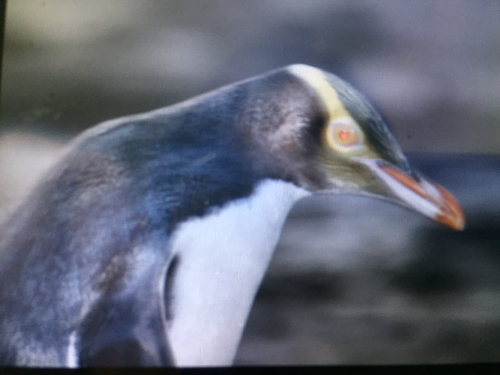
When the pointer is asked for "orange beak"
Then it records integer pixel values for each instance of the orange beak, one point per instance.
(420, 194)
(447, 208)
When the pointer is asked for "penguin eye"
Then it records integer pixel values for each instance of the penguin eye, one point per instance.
(345, 135)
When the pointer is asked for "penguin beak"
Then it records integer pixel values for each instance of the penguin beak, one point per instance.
(420, 194)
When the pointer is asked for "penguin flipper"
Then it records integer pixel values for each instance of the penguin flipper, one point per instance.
(122, 333)
(126, 326)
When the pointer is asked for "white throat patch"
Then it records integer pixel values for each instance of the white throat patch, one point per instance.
(222, 260)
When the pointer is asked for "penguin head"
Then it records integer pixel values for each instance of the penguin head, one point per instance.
(330, 139)
(298, 124)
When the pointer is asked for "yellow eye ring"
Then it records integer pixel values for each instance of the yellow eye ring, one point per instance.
(345, 135)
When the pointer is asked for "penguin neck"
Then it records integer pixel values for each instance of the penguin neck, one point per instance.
(221, 261)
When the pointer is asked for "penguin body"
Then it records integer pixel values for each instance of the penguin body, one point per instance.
(146, 244)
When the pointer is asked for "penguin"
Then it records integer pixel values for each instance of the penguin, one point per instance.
(145, 245)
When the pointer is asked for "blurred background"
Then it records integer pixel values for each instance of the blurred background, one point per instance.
(354, 280)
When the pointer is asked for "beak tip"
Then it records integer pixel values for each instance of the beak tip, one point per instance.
(454, 221)
(452, 215)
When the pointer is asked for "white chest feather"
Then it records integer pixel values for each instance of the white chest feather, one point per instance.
(222, 260)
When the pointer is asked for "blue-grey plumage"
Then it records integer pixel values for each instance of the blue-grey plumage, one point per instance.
(146, 244)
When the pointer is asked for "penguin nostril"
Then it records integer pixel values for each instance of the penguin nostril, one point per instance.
(168, 287)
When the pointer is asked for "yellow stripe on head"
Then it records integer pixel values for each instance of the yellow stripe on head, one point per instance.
(317, 80)
(336, 111)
